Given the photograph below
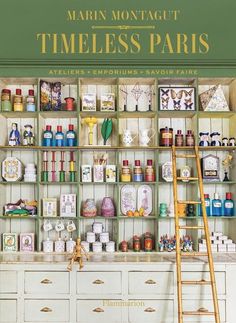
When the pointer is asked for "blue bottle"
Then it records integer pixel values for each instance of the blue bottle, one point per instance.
(207, 205)
(48, 137)
(216, 205)
(71, 136)
(59, 137)
(228, 205)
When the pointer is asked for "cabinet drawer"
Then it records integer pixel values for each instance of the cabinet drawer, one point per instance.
(99, 283)
(194, 305)
(47, 282)
(151, 282)
(90, 311)
(47, 310)
(152, 311)
(8, 310)
(203, 289)
(8, 282)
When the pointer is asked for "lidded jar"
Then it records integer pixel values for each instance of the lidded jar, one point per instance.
(6, 100)
(179, 138)
(138, 172)
(125, 172)
(166, 137)
(18, 101)
(149, 171)
(190, 140)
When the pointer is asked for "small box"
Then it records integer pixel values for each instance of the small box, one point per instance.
(98, 173)
(68, 205)
(89, 102)
(27, 242)
(107, 102)
(228, 241)
(231, 247)
(221, 248)
(10, 242)
(111, 173)
(86, 173)
(222, 238)
(50, 207)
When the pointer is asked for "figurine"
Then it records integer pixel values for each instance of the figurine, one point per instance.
(187, 244)
(215, 140)
(225, 141)
(14, 137)
(204, 139)
(232, 141)
(77, 255)
(28, 136)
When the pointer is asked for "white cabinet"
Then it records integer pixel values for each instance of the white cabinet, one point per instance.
(8, 282)
(8, 310)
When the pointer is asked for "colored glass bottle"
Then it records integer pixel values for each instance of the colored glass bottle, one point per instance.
(228, 205)
(30, 102)
(149, 172)
(125, 172)
(48, 137)
(216, 205)
(189, 138)
(18, 101)
(6, 100)
(179, 139)
(59, 137)
(138, 172)
(71, 136)
(207, 205)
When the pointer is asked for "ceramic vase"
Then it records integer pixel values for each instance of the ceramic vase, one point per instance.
(108, 207)
(89, 208)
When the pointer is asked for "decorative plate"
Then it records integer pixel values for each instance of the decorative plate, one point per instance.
(145, 199)
(128, 199)
(11, 169)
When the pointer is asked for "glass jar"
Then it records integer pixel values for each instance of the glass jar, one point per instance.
(136, 244)
(148, 242)
(179, 139)
(18, 101)
(166, 137)
(138, 172)
(6, 100)
(190, 140)
(125, 172)
(149, 172)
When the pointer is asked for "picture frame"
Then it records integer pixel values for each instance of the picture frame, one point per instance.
(68, 205)
(88, 102)
(50, 207)
(10, 242)
(107, 102)
(110, 173)
(213, 99)
(11, 169)
(98, 173)
(177, 98)
(167, 172)
(27, 242)
(86, 173)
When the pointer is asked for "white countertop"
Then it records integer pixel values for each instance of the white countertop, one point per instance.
(105, 258)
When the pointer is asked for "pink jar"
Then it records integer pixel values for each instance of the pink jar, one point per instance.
(108, 207)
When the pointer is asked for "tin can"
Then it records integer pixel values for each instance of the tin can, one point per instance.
(70, 244)
(166, 137)
(85, 244)
(110, 246)
(124, 246)
(47, 245)
(59, 246)
(90, 237)
(104, 237)
(148, 242)
(136, 244)
(97, 247)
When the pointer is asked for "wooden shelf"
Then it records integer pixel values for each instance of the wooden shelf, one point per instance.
(17, 114)
(58, 183)
(149, 217)
(98, 114)
(58, 114)
(136, 114)
(18, 183)
(176, 114)
(19, 217)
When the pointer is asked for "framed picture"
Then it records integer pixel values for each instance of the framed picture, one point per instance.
(98, 173)
(214, 99)
(167, 172)
(107, 102)
(89, 102)
(50, 207)
(86, 173)
(110, 173)
(177, 98)
(11, 169)
(27, 242)
(68, 205)
(9, 242)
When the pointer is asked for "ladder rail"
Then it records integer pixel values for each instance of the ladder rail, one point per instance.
(208, 241)
(177, 237)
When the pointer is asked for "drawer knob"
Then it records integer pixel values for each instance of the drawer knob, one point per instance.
(46, 309)
(98, 282)
(150, 310)
(98, 310)
(202, 310)
(46, 281)
(150, 282)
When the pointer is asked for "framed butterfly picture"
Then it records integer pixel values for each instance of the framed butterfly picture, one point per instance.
(177, 98)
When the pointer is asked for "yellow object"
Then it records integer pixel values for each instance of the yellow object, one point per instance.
(77, 255)
(136, 213)
(179, 254)
(130, 213)
(72, 166)
(90, 122)
(141, 211)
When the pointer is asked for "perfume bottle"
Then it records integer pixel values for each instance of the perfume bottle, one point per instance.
(216, 205)
(48, 137)
(71, 136)
(59, 137)
(228, 205)
(30, 102)
(207, 205)
(149, 172)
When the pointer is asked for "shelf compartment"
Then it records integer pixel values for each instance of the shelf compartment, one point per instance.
(17, 114)
(176, 114)
(58, 114)
(149, 217)
(58, 183)
(99, 114)
(137, 115)
(19, 217)
(216, 114)
(18, 183)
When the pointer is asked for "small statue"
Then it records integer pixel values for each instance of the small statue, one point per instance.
(78, 253)
(204, 139)
(225, 141)
(232, 141)
(215, 138)
(28, 136)
(14, 137)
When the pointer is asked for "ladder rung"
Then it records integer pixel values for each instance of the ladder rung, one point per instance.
(200, 227)
(189, 202)
(195, 313)
(187, 178)
(196, 282)
(185, 156)
(194, 254)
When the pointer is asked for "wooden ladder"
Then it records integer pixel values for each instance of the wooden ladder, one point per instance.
(179, 253)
